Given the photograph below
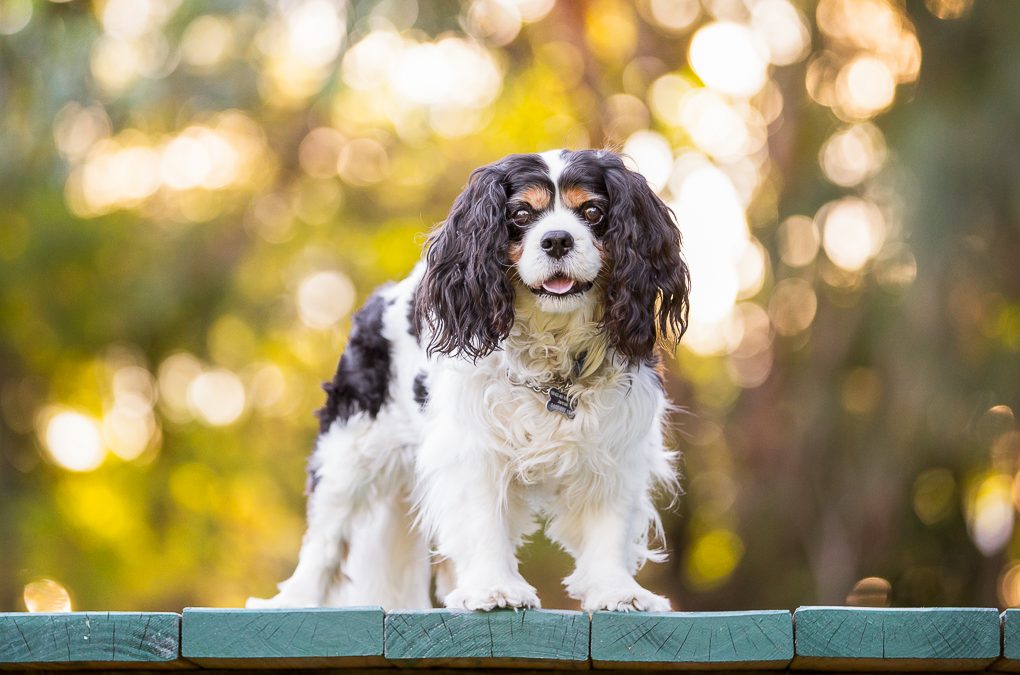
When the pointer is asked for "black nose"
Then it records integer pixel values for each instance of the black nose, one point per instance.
(557, 243)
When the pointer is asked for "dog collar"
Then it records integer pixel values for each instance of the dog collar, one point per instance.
(559, 399)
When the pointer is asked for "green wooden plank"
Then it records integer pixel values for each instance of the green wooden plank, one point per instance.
(692, 640)
(93, 639)
(502, 638)
(1010, 661)
(283, 638)
(838, 638)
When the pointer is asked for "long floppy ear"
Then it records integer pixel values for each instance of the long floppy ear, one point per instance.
(465, 297)
(647, 291)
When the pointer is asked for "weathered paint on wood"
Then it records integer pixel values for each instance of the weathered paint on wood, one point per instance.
(503, 638)
(89, 639)
(841, 638)
(283, 638)
(823, 638)
(692, 640)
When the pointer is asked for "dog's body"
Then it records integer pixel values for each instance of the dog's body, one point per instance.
(474, 407)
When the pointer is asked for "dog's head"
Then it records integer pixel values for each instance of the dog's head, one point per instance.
(568, 227)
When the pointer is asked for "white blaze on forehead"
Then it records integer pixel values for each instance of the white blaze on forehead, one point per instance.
(558, 276)
(554, 160)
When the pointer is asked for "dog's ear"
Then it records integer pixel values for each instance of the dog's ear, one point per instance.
(646, 294)
(465, 297)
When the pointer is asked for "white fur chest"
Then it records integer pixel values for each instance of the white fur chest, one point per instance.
(615, 411)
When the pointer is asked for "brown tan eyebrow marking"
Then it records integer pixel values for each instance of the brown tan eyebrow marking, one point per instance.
(575, 196)
(536, 196)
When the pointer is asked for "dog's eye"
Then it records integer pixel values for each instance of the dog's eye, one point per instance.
(521, 217)
(592, 214)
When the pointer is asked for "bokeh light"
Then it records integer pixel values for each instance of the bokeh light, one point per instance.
(715, 234)
(299, 43)
(675, 16)
(870, 592)
(730, 58)
(1009, 585)
(200, 197)
(175, 375)
(14, 15)
(495, 21)
(896, 267)
(72, 439)
(77, 128)
(451, 77)
(793, 306)
(853, 231)
(217, 397)
(207, 41)
(934, 495)
(783, 30)
(798, 240)
(713, 558)
(949, 9)
(46, 595)
(652, 155)
(853, 154)
(864, 87)
(717, 127)
(324, 298)
(990, 512)
(319, 152)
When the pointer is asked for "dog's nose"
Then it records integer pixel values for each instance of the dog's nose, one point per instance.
(557, 243)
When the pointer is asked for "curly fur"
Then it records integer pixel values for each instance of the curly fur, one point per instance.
(648, 286)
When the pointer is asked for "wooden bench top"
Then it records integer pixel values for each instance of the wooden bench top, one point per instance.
(844, 639)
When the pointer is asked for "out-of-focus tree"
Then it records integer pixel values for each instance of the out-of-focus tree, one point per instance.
(195, 196)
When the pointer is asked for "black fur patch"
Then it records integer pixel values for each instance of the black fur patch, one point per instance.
(412, 321)
(421, 390)
(362, 379)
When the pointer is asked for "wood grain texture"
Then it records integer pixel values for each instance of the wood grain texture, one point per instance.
(842, 638)
(283, 638)
(1010, 661)
(692, 640)
(503, 638)
(89, 639)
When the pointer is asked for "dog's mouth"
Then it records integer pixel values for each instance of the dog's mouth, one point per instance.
(560, 285)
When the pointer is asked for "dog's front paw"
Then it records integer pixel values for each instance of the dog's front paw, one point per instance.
(616, 593)
(631, 598)
(515, 594)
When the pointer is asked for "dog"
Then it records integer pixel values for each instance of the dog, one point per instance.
(512, 377)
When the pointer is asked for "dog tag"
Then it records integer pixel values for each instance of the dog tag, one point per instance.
(560, 402)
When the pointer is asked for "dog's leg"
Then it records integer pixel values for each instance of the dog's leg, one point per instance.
(445, 579)
(322, 551)
(388, 561)
(603, 538)
(465, 506)
(339, 498)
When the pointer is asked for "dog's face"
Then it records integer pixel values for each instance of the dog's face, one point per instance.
(570, 228)
(556, 220)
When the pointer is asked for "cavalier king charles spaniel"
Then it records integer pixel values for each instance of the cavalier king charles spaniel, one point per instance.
(511, 378)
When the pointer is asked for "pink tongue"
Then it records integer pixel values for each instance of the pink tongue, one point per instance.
(558, 285)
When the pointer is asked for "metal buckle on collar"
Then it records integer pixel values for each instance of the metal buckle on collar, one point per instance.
(558, 396)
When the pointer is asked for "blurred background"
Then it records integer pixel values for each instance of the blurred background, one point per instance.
(194, 197)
